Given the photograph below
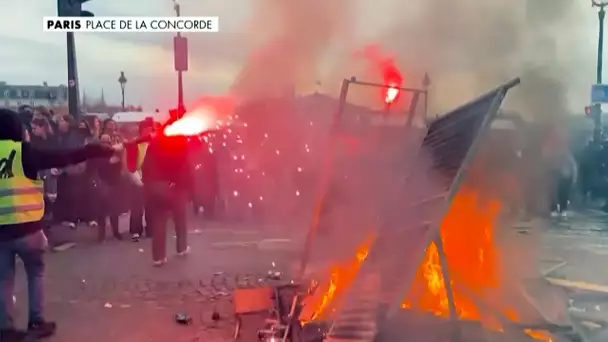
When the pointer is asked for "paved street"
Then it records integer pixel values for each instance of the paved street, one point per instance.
(111, 291)
(582, 241)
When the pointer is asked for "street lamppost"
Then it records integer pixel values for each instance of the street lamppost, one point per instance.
(72, 8)
(597, 118)
(180, 55)
(123, 82)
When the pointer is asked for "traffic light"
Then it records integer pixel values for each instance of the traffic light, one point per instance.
(593, 111)
(72, 8)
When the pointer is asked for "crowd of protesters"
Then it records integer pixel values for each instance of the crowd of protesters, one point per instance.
(93, 193)
(91, 173)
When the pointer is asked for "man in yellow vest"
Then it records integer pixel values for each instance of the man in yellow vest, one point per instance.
(136, 154)
(21, 212)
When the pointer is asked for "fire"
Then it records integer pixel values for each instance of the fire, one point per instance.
(467, 232)
(189, 125)
(540, 335)
(391, 93)
(383, 65)
(319, 304)
(468, 237)
(208, 113)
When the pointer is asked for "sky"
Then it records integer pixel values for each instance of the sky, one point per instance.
(29, 56)
(407, 29)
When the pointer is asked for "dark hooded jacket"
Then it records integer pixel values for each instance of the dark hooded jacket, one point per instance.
(168, 161)
(35, 160)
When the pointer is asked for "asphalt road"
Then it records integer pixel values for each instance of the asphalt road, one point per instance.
(111, 291)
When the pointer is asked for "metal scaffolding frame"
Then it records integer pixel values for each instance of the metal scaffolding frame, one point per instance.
(465, 125)
(327, 166)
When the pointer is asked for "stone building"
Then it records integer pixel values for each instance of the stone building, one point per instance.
(13, 96)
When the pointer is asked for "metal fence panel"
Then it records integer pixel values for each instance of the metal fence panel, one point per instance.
(408, 224)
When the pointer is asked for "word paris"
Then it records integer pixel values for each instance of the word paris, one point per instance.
(127, 24)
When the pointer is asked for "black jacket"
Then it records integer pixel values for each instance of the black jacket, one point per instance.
(35, 160)
(167, 161)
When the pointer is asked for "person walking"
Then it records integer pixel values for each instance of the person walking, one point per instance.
(167, 180)
(21, 226)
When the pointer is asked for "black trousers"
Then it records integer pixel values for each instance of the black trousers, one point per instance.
(101, 233)
(160, 209)
(562, 194)
(74, 198)
(137, 204)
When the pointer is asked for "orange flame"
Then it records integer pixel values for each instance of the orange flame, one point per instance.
(472, 257)
(318, 306)
(472, 261)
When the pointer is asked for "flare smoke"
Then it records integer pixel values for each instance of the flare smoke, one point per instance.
(293, 36)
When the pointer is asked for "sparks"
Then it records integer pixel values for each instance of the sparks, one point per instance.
(188, 126)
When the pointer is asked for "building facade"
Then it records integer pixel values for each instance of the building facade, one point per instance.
(13, 96)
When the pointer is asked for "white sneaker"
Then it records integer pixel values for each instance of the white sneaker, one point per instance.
(159, 263)
(564, 213)
(184, 252)
(554, 214)
(135, 237)
(93, 224)
(69, 224)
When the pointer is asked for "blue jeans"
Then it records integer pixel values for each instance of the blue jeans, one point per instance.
(30, 249)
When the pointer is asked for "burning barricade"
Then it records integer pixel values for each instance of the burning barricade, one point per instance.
(409, 217)
(430, 258)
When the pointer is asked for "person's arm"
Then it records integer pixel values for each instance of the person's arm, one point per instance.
(35, 159)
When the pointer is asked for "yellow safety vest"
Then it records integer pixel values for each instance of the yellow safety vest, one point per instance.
(21, 199)
(141, 154)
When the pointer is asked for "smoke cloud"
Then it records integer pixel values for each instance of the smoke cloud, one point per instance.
(467, 47)
(470, 46)
(293, 37)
